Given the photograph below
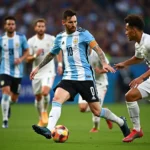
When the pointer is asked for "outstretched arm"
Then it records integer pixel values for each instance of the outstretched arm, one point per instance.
(101, 56)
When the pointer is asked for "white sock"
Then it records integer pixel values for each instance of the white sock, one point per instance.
(5, 106)
(96, 121)
(46, 102)
(39, 106)
(134, 113)
(54, 115)
(107, 114)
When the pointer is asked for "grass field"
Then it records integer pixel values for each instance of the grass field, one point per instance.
(20, 136)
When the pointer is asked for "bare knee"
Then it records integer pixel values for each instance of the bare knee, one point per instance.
(38, 97)
(130, 97)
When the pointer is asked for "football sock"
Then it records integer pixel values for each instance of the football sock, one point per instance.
(5, 106)
(39, 106)
(107, 114)
(46, 102)
(54, 115)
(96, 121)
(134, 113)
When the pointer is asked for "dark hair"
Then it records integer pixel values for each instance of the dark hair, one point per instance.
(135, 21)
(9, 18)
(39, 20)
(68, 13)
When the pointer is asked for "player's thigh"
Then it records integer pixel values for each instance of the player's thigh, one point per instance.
(144, 89)
(36, 86)
(5, 83)
(47, 83)
(87, 90)
(101, 91)
(65, 90)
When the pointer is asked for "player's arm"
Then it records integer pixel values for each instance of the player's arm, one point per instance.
(93, 45)
(131, 61)
(59, 62)
(31, 58)
(134, 83)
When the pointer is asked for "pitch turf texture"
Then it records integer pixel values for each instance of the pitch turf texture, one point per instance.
(20, 136)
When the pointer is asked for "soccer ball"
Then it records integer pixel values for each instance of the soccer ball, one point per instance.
(60, 134)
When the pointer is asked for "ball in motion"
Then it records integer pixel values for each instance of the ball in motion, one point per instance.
(60, 134)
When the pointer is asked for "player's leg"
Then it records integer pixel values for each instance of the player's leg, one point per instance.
(15, 91)
(101, 93)
(63, 92)
(5, 82)
(83, 105)
(132, 96)
(5, 105)
(90, 94)
(36, 86)
(47, 83)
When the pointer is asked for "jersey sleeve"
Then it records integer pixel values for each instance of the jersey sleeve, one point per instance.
(24, 43)
(56, 48)
(31, 52)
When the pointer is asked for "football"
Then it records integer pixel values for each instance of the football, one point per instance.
(60, 134)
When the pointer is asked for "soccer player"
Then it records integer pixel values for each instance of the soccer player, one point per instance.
(139, 87)
(101, 83)
(39, 46)
(13, 49)
(77, 75)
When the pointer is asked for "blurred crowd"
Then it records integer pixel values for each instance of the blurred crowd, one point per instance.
(103, 18)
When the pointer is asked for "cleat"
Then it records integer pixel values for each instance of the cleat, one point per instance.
(44, 117)
(42, 130)
(133, 135)
(110, 124)
(9, 112)
(40, 123)
(125, 129)
(5, 124)
(94, 130)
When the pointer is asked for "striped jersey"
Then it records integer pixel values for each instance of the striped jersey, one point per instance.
(45, 44)
(75, 54)
(10, 49)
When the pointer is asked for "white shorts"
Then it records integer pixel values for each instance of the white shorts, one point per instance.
(38, 83)
(101, 94)
(144, 89)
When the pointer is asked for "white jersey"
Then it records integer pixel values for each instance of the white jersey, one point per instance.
(46, 44)
(101, 79)
(142, 50)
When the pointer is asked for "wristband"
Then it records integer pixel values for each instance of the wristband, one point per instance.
(34, 56)
(60, 64)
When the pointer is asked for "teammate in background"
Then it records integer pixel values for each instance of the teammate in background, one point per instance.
(101, 83)
(77, 75)
(13, 49)
(139, 87)
(39, 46)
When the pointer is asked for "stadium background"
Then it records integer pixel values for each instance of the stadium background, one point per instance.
(103, 18)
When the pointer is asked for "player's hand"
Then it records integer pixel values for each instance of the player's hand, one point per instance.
(108, 68)
(17, 61)
(99, 71)
(33, 73)
(134, 83)
(119, 66)
(39, 52)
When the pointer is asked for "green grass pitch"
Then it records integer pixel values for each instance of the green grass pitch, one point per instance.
(20, 136)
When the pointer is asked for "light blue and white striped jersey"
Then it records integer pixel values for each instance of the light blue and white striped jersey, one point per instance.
(75, 54)
(10, 49)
